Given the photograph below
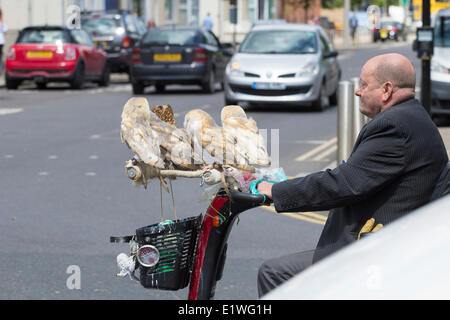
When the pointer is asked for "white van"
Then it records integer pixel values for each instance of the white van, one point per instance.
(440, 64)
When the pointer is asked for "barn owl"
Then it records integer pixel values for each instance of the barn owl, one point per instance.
(248, 146)
(157, 143)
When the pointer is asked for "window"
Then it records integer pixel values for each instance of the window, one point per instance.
(173, 37)
(211, 39)
(169, 10)
(43, 36)
(100, 26)
(81, 37)
(324, 43)
(130, 24)
(280, 42)
(442, 32)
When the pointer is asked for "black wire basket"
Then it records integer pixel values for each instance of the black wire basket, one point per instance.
(176, 244)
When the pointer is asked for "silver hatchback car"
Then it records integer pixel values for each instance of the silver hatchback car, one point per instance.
(292, 64)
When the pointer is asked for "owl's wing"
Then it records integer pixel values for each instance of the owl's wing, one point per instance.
(177, 146)
(155, 142)
(207, 137)
(247, 143)
(136, 132)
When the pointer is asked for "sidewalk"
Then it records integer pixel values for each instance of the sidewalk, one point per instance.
(364, 40)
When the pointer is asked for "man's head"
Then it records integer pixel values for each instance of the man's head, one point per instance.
(385, 80)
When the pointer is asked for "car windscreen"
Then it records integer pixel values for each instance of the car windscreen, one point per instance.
(386, 24)
(102, 26)
(171, 37)
(280, 41)
(45, 36)
(442, 32)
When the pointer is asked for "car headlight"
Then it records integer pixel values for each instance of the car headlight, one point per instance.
(437, 67)
(310, 69)
(234, 69)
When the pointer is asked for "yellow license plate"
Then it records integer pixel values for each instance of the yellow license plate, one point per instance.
(171, 57)
(383, 34)
(39, 54)
(102, 42)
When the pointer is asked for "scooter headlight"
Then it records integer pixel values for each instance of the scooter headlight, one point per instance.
(148, 256)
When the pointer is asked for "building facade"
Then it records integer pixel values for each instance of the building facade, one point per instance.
(21, 13)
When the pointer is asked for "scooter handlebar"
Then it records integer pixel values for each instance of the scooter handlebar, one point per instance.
(249, 199)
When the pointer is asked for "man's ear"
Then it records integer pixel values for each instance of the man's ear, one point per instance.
(388, 90)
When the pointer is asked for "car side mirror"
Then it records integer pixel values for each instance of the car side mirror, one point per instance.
(330, 54)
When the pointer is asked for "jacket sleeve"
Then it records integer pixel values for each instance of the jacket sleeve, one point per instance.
(378, 159)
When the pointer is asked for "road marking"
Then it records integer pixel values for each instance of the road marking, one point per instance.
(305, 216)
(317, 149)
(325, 153)
(10, 111)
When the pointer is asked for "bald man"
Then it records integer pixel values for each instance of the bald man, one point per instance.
(393, 169)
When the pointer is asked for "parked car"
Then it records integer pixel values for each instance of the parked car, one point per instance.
(117, 31)
(440, 64)
(405, 260)
(52, 53)
(291, 64)
(178, 55)
(390, 29)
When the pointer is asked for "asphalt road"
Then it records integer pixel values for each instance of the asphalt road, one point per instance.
(64, 191)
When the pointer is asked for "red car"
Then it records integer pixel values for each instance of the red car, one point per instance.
(54, 54)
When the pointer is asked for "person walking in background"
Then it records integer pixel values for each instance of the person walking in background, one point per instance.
(3, 29)
(208, 22)
(353, 26)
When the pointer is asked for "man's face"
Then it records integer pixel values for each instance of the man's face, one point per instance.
(370, 92)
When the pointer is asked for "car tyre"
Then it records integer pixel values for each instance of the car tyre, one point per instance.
(78, 78)
(12, 84)
(106, 76)
(210, 85)
(41, 85)
(138, 87)
(322, 100)
(229, 102)
(160, 87)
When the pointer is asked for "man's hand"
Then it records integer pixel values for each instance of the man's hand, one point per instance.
(265, 188)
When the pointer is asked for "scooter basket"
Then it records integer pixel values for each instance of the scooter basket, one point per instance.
(176, 243)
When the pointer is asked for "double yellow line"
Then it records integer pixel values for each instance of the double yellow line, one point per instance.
(305, 216)
(329, 147)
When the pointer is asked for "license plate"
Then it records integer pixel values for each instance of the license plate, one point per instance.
(383, 34)
(104, 43)
(168, 57)
(39, 54)
(268, 86)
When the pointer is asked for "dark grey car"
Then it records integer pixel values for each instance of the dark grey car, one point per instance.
(178, 55)
(117, 31)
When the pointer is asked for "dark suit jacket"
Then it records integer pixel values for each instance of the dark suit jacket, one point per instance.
(392, 170)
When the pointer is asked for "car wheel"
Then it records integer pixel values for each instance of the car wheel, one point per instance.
(41, 85)
(322, 99)
(78, 78)
(229, 102)
(210, 85)
(333, 99)
(12, 84)
(138, 87)
(106, 75)
(160, 87)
